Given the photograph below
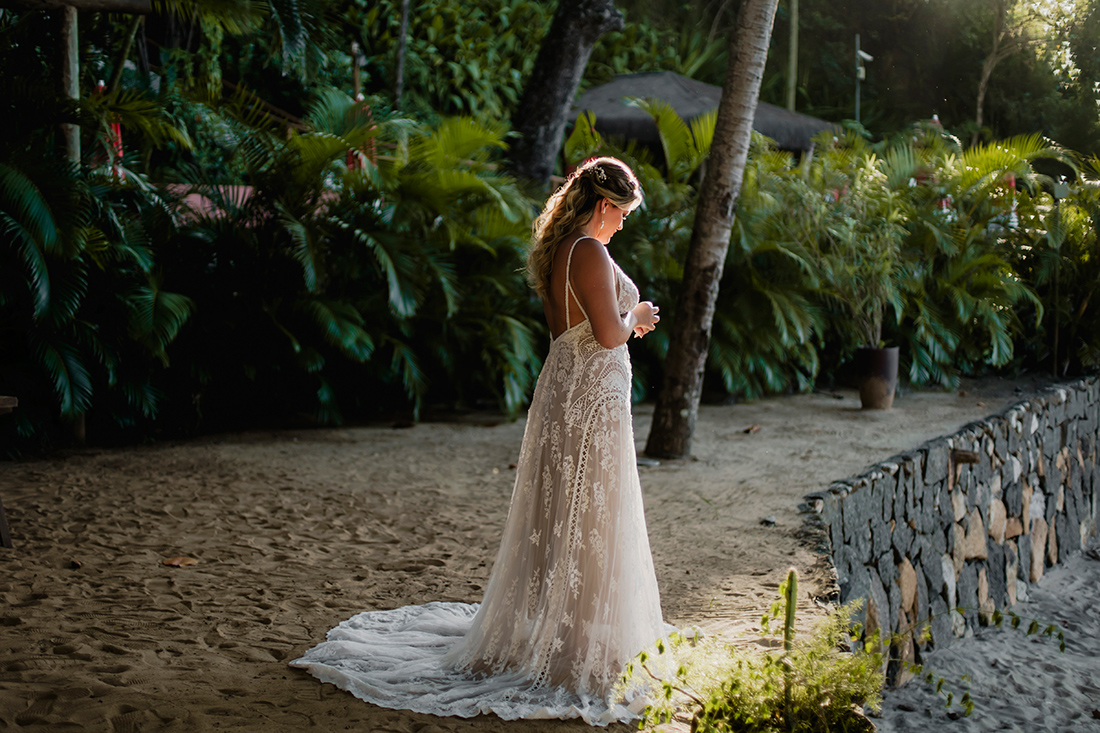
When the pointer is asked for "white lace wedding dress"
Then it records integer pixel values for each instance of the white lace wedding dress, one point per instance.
(572, 596)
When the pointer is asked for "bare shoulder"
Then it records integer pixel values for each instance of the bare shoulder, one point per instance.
(589, 252)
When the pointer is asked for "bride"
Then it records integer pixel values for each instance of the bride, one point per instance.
(572, 595)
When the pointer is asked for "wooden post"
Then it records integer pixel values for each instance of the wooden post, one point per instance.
(70, 77)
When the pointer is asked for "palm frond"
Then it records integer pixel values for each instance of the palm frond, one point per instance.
(71, 381)
(341, 325)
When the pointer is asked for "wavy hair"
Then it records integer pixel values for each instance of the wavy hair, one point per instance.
(572, 206)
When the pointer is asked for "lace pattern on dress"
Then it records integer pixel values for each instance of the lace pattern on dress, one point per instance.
(572, 595)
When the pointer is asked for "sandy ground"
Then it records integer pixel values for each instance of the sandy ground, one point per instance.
(295, 531)
(1019, 683)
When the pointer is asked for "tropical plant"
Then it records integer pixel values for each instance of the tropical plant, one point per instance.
(461, 58)
(964, 299)
(366, 265)
(1062, 263)
(817, 683)
(86, 316)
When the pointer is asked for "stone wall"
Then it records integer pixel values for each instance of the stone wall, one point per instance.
(967, 521)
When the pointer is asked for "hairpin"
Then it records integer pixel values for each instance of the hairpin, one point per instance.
(601, 175)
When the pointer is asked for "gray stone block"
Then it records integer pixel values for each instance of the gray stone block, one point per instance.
(881, 538)
(887, 570)
(982, 494)
(1023, 546)
(1013, 437)
(857, 586)
(1074, 501)
(1013, 493)
(842, 564)
(942, 635)
(1000, 432)
(947, 511)
(1056, 412)
(884, 487)
(933, 571)
(877, 593)
(967, 588)
(1051, 443)
(902, 539)
(834, 521)
(897, 508)
(995, 572)
(939, 539)
(854, 518)
(1067, 542)
(922, 594)
(936, 460)
(893, 604)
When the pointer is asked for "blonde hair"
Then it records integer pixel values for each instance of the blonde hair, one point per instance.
(572, 206)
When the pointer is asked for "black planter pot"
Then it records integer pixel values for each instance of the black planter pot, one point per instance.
(878, 377)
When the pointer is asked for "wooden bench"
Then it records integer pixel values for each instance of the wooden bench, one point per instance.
(7, 404)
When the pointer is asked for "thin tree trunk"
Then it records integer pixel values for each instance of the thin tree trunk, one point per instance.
(116, 75)
(399, 74)
(548, 95)
(994, 57)
(143, 65)
(678, 401)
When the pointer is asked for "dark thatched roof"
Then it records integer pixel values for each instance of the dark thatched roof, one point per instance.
(690, 98)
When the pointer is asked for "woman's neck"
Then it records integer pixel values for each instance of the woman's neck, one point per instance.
(592, 229)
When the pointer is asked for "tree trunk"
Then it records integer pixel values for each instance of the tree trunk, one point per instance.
(399, 74)
(127, 44)
(994, 58)
(543, 111)
(678, 400)
(70, 78)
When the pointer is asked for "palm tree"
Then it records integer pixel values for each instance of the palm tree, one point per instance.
(678, 400)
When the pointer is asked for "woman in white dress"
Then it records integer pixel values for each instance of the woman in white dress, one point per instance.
(572, 595)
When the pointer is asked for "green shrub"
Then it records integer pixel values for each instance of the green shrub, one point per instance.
(811, 685)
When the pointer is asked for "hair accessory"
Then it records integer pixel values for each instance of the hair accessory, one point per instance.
(601, 174)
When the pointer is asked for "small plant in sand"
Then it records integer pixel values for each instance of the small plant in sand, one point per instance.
(818, 683)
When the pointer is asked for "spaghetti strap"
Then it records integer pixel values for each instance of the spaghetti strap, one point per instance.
(569, 285)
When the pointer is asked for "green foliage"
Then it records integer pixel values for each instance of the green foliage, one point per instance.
(363, 287)
(911, 241)
(647, 44)
(811, 685)
(461, 58)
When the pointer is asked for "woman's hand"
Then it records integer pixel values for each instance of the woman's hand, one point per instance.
(646, 318)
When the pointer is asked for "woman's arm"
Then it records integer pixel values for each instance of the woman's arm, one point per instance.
(593, 276)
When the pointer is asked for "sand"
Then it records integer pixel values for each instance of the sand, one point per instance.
(1019, 683)
(295, 531)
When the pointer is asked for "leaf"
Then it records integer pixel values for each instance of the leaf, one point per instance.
(584, 141)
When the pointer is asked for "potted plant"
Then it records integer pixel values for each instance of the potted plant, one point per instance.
(862, 268)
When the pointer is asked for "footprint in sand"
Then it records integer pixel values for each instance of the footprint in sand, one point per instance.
(37, 710)
(134, 721)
